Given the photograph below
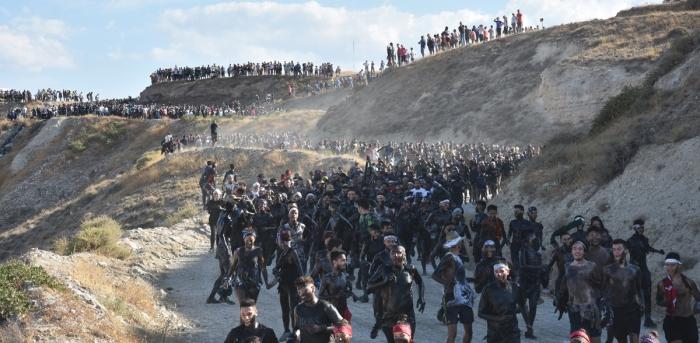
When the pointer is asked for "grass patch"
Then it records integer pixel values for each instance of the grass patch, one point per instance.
(148, 159)
(100, 133)
(99, 235)
(628, 121)
(13, 277)
(129, 299)
(187, 211)
(633, 100)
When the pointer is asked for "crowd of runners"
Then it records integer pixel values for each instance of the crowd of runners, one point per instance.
(339, 234)
(242, 70)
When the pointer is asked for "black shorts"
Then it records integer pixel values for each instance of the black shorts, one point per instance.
(459, 314)
(577, 322)
(681, 329)
(626, 320)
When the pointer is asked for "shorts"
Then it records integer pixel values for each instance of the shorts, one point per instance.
(681, 329)
(626, 320)
(577, 322)
(459, 314)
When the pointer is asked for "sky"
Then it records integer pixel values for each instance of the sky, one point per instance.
(111, 46)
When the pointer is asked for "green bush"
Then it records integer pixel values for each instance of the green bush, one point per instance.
(13, 276)
(100, 235)
(98, 133)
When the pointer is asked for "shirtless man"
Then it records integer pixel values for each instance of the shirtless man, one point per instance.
(678, 294)
(597, 253)
(561, 256)
(483, 272)
(394, 287)
(457, 294)
(580, 292)
(335, 286)
(287, 270)
(623, 286)
(314, 319)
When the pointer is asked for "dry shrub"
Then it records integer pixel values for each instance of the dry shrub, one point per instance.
(148, 159)
(119, 297)
(100, 235)
(185, 212)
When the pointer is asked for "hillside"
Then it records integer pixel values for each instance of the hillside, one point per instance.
(64, 169)
(219, 90)
(643, 162)
(518, 90)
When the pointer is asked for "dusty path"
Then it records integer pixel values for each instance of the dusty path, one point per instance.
(192, 277)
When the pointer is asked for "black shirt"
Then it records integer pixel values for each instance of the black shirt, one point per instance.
(321, 313)
(240, 333)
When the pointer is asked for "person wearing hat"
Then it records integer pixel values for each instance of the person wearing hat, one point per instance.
(498, 306)
(458, 296)
(679, 295)
(248, 268)
(639, 248)
(580, 291)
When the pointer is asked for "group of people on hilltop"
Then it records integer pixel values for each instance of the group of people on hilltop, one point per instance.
(47, 95)
(462, 35)
(351, 234)
(242, 70)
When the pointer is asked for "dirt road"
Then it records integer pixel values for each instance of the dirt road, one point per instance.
(192, 277)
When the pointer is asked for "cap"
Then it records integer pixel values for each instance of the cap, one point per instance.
(673, 258)
(490, 242)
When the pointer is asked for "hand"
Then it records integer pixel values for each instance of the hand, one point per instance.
(420, 305)
(392, 278)
(272, 283)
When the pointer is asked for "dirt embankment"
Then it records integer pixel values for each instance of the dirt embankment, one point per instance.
(652, 149)
(219, 90)
(65, 169)
(521, 89)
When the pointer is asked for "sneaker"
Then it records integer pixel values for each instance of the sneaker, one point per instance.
(529, 334)
(212, 301)
(374, 332)
(363, 298)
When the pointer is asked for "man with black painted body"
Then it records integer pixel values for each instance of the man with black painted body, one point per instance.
(580, 293)
(498, 306)
(394, 286)
(518, 229)
(623, 284)
(314, 319)
(639, 248)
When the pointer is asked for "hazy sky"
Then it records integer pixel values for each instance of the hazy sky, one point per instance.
(111, 46)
